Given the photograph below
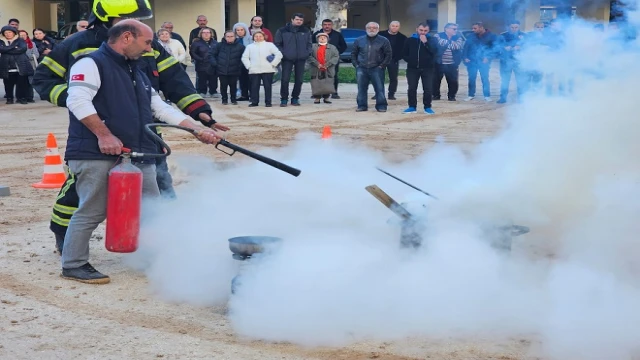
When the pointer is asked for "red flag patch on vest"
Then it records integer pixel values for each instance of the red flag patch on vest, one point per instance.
(77, 77)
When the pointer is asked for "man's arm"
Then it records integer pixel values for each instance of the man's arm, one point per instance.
(278, 41)
(84, 83)
(342, 44)
(388, 54)
(354, 52)
(170, 115)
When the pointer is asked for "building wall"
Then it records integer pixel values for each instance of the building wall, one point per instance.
(22, 10)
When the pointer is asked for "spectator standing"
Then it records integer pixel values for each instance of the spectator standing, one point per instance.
(202, 23)
(242, 32)
(294, 42)
(169, 26)
(200, 53)
(450, 45)
(370, 55)
(43, 42)
(337, 40)
(510, 46)
(534, 40)
(257, 24)
(555, 40)
(173, 46)
(82, 25)
(32, 54)
(397, 39)
(15, 67)
(261, 58)
(322, 61)
(479, 51)
(226, 57)
(420, 52)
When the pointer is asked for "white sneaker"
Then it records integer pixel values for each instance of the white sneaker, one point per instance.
(487, 99)
(469, 98)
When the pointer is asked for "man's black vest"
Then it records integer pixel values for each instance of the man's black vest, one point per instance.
(123, 102)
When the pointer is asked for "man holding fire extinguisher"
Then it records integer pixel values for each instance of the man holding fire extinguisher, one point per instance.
(110, 100)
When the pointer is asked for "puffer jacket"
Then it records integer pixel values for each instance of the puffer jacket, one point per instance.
(255, 56)
(200, 52)
(369, 52)
(14, 56)
(227, 58)
(294, 42)
(42, 46)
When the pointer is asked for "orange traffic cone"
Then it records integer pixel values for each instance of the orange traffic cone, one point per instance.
(54, 175)
(326, 132)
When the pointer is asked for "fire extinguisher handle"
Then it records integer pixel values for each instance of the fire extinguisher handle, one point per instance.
(125, 150)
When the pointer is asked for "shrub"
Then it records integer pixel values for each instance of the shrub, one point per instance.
(347, 75)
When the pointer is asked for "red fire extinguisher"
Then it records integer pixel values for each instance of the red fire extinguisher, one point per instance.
(124, 196)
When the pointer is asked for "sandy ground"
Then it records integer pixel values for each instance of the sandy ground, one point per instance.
(44, 316)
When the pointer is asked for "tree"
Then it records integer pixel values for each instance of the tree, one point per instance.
(335, 10)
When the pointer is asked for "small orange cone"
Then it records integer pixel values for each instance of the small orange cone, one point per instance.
(54, 175)
(326, 132)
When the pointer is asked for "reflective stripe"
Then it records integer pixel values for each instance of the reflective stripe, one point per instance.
(167, 63)
(155, 54)
(185, 101)
(81, 52)
(64, 209)
(84, 84)
(53, 169)
(56, 92)
(70, 180)
(60, 221)
(54, 66)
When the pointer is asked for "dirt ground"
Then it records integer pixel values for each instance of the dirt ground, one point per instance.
(44, 316)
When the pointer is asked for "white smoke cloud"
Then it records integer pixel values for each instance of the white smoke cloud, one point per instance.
(564, 166)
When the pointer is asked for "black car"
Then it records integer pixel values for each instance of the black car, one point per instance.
(350, 35)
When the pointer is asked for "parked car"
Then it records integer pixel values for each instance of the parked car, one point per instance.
(350, 35)
(67, 30)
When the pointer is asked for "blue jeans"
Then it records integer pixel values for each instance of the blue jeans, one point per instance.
(483, 68)
(375, 77)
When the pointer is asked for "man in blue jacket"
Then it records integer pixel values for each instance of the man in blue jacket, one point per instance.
(419, 52)
(479, 51)
(110, 100)
(510, 45)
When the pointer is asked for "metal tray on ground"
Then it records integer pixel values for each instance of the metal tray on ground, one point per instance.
(249, 245)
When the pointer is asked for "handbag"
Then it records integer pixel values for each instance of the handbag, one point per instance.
(322, 84)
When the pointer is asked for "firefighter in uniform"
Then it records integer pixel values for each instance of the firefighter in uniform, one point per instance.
(164, 71)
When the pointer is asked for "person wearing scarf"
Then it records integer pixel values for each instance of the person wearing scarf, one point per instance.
(322, 62)
(33, 54)
(242, 32)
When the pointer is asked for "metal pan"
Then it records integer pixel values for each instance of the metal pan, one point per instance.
(249, 245)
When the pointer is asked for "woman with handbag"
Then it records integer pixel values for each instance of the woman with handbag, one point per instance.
(322, 62)
(261, 59)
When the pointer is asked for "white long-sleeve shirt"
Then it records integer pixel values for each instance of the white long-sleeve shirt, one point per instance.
(84, 83)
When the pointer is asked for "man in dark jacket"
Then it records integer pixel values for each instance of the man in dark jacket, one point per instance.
(336, 39)
(479, 51)
(397, 39)
(370, 55)
(450, 45)
(420, 54)
(102, 120)
(510, 43)
(294, 42)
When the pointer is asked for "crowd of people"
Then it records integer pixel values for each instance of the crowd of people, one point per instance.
(248, 57)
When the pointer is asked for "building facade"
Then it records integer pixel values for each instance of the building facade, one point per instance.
(222, 14)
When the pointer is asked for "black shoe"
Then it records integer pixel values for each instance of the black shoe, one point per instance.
(361, 109)
(23, 101)
(59, 243)
(335, 96)
(502, 101)
(253, 105)
(391, 97)
(381, 110)
(436, 97)
(243, 98)
(9, 101)
(224, 102)
(295, 102)
(31, 101)
(268, 105)
(452, 99)
(86, 274)
(234, 103)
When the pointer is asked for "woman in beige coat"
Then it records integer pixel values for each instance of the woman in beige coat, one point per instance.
(322, 62)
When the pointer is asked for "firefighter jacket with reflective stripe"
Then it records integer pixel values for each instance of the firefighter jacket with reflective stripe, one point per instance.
(164, 71)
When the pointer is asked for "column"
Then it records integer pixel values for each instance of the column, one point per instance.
(185, 21)
(384, 14)
(530, 16)
(53, 13)
(274, 15)
(245, 10)
(21, 10)
(447, 11)
(595, 11)
(42, 16)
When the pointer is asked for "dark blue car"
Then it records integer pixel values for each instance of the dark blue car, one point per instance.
(350, 35)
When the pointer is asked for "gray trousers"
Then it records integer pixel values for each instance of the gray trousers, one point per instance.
(92, 178)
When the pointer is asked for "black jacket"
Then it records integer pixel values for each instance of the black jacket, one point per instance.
(293, 42)
(227, 58)
(200, 52)
(369, 52)
(164, 71)
(194, 35)
(14, 56)
(397, 43)
(419, 55)
(335, 38)
(41, 45)
(510, 39)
